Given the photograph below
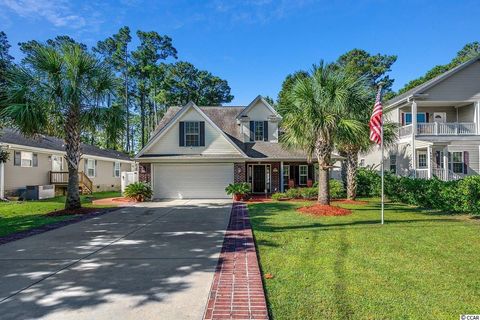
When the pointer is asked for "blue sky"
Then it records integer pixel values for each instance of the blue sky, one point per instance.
(254, 44)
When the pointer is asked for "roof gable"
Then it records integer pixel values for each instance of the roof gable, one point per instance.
(254, 103)
(174, 119)
(421, 89)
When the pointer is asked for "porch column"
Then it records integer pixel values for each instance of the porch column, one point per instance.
(429, 162)
(477, 118)
(445, 163)
(414, 132)
(282, 186)
(2, 181)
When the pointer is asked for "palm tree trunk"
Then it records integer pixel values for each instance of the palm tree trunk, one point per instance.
(72, 149)
(351, 165)
(343, 171)
(323, 185)
(324, 153)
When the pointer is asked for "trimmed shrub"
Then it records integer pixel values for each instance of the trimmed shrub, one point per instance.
(279, 195)
(138, 191)
(368, 183)
(294, 193)
(461, 196)
(309, 193)
(336, 189)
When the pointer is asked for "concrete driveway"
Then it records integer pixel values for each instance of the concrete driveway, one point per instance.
(151, 262)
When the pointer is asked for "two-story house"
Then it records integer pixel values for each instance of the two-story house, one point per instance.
(439, 127)
(196, 152)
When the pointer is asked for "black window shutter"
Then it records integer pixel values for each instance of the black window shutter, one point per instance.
(310, 172)
(17, 158)
(297, 175)
(292, 172)
(252, 130)
(181, 134)
(202, 133)
(465, 162)
(265, 130)
(450, 161)
(35, 160)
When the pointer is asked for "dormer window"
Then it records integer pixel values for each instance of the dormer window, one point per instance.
(192, 133)
(258, 130)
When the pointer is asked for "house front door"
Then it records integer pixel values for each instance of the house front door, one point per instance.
(259, 181)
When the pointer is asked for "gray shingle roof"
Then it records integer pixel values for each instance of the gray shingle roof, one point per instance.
(225, 119)
(10, 136)
(419, 89)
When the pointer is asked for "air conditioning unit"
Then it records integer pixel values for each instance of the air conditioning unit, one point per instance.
(40, 192)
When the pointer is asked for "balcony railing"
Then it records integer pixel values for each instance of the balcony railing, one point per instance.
(440, 129)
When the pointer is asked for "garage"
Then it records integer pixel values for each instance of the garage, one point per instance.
(191, 181)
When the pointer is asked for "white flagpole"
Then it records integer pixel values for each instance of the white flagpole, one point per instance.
(383, 172)
(382, 160)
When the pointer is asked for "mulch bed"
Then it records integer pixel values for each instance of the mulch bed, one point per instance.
(94, 212)
(324, 210)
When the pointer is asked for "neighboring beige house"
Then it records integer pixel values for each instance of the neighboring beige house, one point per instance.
(439, 127)
(197, 151)
(40, 161)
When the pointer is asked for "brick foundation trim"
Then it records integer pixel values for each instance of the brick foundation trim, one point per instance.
(237, 289)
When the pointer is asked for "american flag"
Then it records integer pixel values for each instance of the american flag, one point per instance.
(376, 120)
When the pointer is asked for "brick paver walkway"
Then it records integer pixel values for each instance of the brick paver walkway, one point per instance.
(237, 291)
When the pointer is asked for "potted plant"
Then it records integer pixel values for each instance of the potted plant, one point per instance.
(138, 191)
(238, 190)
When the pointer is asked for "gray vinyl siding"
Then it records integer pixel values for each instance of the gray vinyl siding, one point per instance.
(466, 113)
(461, 86)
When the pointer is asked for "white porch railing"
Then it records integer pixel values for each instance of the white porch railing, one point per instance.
(443, 129)
(446, 175)
(422, 174)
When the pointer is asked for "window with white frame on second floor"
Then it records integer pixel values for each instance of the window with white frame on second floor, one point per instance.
(259, 130)
(192, 134)
(457, 162)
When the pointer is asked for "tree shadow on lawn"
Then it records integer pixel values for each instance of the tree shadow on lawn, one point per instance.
(134, 256)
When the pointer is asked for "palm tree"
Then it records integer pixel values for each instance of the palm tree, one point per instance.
(316, 110)
(63, 83)
(350, 148)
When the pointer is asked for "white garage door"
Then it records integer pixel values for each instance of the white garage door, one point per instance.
(191, 181)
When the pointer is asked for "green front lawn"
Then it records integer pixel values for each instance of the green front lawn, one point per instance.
(23, 215)
(417, 266)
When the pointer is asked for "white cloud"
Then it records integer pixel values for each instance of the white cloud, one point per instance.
(258, 11)
(57, 12)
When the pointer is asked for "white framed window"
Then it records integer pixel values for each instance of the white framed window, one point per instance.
(90, 168)
(422, 160)
(57, 163)
(286, 174)
(192, 133)
(259, 130)
(393, 163)
(26, 159)
(116, 169)
(303, 170)
(457, 162)
(421, 117)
